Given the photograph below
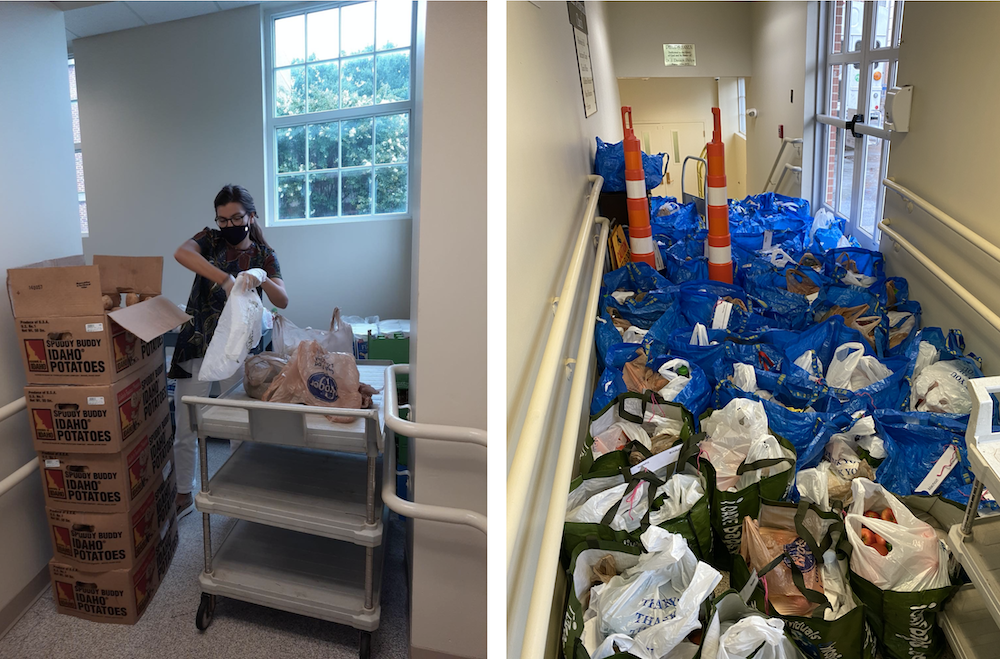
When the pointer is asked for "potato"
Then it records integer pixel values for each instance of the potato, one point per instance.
(131, 298)
(109, 302)
(143, 298)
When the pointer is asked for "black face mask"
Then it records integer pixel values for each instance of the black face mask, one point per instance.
(235, 235)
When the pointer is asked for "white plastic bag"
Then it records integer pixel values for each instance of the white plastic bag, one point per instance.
(675, 382)
(916, 562)
(629, 515)
(699, 337)
(813, 485)
(738, 433)
(940, 387)
(634, 334)
(237, 332)
(736, 631)
(745, 377)
(286, 336)
(852, 369)
(621, 296)
(617, 436)
(927, 354)
(651, 607)
(682, 491)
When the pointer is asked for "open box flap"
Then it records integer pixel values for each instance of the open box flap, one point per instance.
(151, 318)
(60, 287)
(130, 274)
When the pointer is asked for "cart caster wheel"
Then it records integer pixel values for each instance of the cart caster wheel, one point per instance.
(205, 612)
(366, 645)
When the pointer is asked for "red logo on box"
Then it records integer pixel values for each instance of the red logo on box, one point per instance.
(45, 429)
(62, 540)
(34, 349)
(66, 594)
(125, 347)
(55, 482)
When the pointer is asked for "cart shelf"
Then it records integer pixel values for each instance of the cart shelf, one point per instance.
(295, 572)
(968, 625)
(979, 554)
(297, 489)
(310, 430)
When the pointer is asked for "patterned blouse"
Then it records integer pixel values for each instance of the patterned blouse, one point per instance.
(208, 298)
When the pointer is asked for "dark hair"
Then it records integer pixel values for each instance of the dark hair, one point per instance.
(239, 194)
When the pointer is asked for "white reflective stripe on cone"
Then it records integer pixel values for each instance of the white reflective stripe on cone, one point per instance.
(719, 254)
(641, 245)
(717, 196)
(635, 189)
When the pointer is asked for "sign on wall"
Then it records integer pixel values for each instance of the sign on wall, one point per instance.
(578, 19)
(678, 54)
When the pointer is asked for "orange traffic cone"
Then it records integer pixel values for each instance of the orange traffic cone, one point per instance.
(639, 232)
(720, 258)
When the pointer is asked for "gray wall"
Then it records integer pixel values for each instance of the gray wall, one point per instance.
(172, 112)
(448, 596)
(949, 159)
(38, 220)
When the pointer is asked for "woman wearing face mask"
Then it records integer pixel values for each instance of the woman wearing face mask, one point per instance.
(216, 256)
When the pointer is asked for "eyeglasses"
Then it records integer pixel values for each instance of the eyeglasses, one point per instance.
(235, 220)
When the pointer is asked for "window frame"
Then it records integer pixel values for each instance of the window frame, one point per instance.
(866, 58)
(741, 100)
(272, 123)
(78, 148)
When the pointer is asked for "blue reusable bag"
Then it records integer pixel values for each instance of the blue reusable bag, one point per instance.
(914, 442)
(696, 394)
(656, 294)
(824, 338)
(609, 162)
(685, 261)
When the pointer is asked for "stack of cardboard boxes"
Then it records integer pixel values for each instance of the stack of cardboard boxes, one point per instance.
(100, 419)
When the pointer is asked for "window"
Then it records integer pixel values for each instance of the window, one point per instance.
(741, 91)
(340, 111)
(80, 192)
(859, 53)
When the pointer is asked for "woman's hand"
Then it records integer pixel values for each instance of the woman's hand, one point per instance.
(254, 277)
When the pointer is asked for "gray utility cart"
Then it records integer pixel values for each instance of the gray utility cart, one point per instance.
(306, 492)
(971, 619)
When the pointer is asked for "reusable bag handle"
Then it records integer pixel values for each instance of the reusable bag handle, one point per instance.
(633, 481)
(762, 464)
(813, 596)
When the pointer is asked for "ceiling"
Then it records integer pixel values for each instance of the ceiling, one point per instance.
(85, 19)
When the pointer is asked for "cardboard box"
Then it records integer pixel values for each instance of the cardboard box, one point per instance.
(117, 596)
(109, 482)
(166, 548)
(97, 418)
(66, 336)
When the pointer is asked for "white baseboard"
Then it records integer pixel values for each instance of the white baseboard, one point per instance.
(24, 600)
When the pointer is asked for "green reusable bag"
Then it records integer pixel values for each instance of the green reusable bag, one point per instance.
(694, 525)
(582, 559)
(628, 407)
(904, 624)
(729, 508)
(730, 607)
(846, 637)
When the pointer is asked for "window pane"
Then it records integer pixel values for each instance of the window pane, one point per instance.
(289, 40)
(357, 195)
(291, 149)
(390, 189)
(356, 138)
(324, 195)
(392, 71)
(79, 173)
(853, 77)
(392, 137)
(324, 35)
(847, 147)
(290, 91)
(324, 86)
(835, 107)
(839, 10)
(75, 109)
(291, 203)
(873, 182)
(392, 25)
(897, 31)
(324, 145)
(84, 224)
(882, 26)
(357, 83)
(856, 15)
(830, 164)
(358, 29)
(879, 85)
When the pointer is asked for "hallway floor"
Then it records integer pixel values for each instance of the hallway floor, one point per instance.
(238, 631)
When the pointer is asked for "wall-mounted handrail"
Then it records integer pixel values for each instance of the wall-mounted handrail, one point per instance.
(10, 482)
(784, 142)
(789, 167)
(533, 646)
(520, 475)
(945, 278)
(945, 219)
(422, 431)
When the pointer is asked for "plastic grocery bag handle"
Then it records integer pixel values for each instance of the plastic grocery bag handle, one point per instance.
(335, 320)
